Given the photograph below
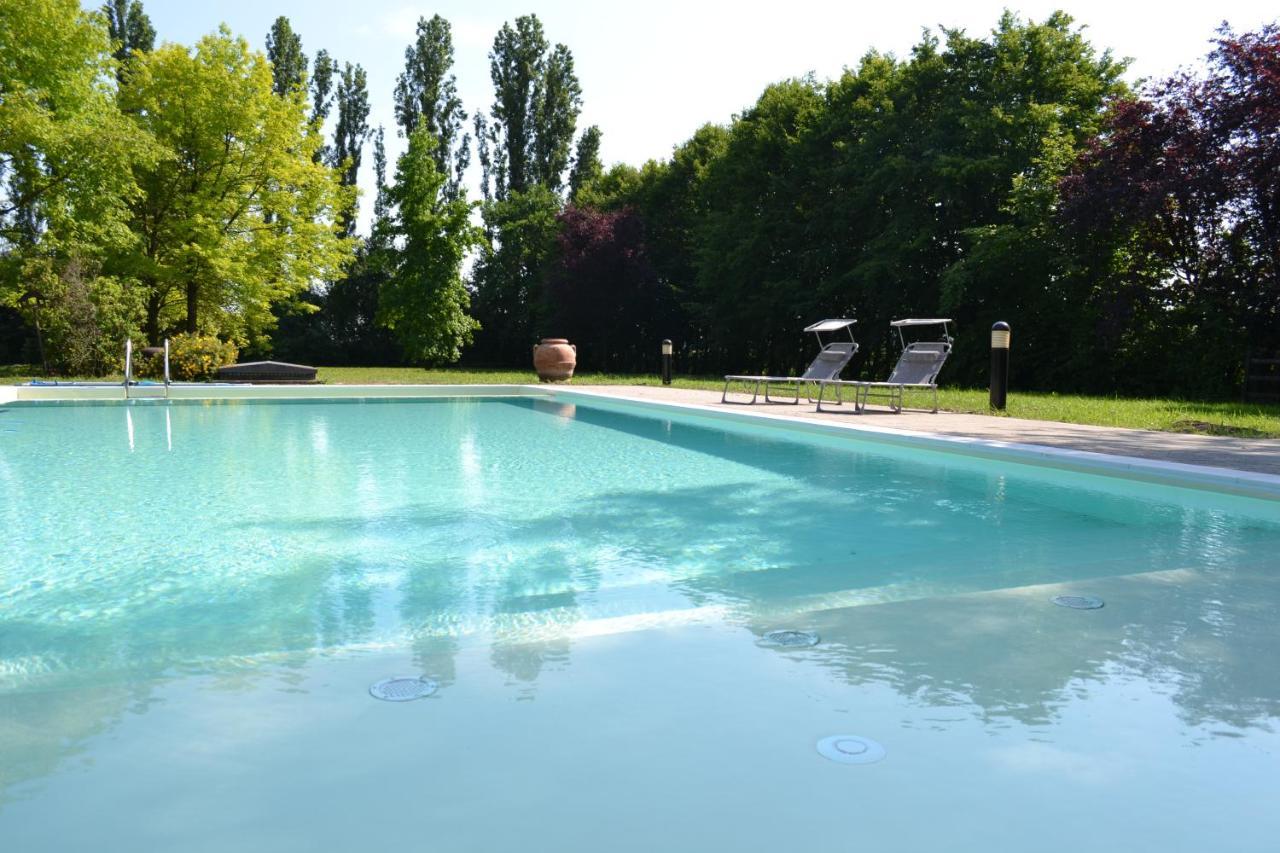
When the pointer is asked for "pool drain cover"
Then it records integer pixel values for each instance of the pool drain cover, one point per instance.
(402, 689)
(791, 638)
(850, 749)
(1078, 602)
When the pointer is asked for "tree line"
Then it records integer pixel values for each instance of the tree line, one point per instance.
(1128, 235)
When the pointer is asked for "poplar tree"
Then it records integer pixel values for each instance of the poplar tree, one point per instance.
(537, 99)
(426, 95)
(130, 30)
(516, 64)
(586, 162)
(350, 135)
(322, 98)
(558, 100)
(381, 202)
(524, 149)
(288, 62)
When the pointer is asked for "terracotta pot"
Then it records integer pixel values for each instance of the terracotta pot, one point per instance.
(554, 359)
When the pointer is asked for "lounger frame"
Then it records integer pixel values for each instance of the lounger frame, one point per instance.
(931, 353)
(831, 359)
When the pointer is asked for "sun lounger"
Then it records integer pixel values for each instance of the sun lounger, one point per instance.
(831, 359)
(917, 368)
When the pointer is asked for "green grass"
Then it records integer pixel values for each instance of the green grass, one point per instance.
(1215, 418)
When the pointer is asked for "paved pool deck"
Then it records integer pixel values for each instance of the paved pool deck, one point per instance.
(1254, 455)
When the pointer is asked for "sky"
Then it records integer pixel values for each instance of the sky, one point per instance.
(653, 72)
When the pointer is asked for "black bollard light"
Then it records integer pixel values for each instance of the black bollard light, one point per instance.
(999, 364)
(666, 361)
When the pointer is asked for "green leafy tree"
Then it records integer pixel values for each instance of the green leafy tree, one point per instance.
(322, 100)
(350, 135)
(83, 317)
(284, 52)
(509, 274)
(906, 187)
(756, 257)
(65, 149)
(524, 150)
(65, 173)
(535, 109)
(426, 95)
(236, 214)
(382, 200)
(130, 30)
(558, 100)
(516, 65)
(484, 153)
(586, 162)
(424, 302)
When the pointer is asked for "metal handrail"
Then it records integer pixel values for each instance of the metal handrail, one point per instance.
(166, 367)
(128, 365)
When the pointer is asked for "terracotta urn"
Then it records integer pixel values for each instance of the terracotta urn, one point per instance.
(554, 359)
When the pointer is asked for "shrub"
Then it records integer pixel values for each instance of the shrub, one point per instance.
(196, 358)
(83, 318)
(147, 367)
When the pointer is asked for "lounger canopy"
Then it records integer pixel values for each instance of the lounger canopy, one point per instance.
(918, 367)
(832, 358)
(831, 326)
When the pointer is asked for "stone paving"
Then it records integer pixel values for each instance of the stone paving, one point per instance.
(1257, 455)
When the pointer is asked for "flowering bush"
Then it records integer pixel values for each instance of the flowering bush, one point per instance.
(196, 358)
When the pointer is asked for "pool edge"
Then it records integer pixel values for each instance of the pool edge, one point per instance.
(1228, 480)
(1220, 479)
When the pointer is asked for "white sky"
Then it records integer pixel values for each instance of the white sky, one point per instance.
(652, 73)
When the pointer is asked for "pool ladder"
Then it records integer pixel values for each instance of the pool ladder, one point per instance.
(149, 391)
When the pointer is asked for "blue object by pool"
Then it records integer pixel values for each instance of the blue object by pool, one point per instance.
(196, 598)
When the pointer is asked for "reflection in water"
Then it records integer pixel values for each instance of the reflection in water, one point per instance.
(430, 528)
(1009, 655)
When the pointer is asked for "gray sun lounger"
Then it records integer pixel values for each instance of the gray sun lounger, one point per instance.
(831, 359)
(917, 367)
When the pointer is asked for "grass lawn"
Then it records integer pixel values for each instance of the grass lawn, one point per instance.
(1216, 418)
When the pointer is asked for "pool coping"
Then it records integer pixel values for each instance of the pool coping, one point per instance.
(1221, 479)
(1230, 480)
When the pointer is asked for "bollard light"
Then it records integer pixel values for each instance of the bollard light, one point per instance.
(999, 365)
(666, 361)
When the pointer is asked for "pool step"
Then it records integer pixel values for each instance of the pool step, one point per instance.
(148, 392)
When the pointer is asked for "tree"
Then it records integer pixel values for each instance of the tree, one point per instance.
(903, 188)
(427, 95)
(236, 214)
(488, 176)
(524, 149)
(284, 52)
(535, 109)
(516, 65)
(509, 273)
(66, 157)
(603, 291)
(381, 201)
(82, 317)
(350, 135)
(558, 102)
(424, 302)
(322, 99)
(1176, 205)
(65, 150)
(130, 30)
(586, 162)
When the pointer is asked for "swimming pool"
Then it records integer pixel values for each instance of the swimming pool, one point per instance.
(196, 598)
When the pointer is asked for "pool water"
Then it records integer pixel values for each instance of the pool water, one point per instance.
(195, 599)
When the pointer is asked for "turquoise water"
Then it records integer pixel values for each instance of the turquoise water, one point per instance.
(194, 600)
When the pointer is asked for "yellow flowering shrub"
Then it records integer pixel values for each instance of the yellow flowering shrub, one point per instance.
(196, 358)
